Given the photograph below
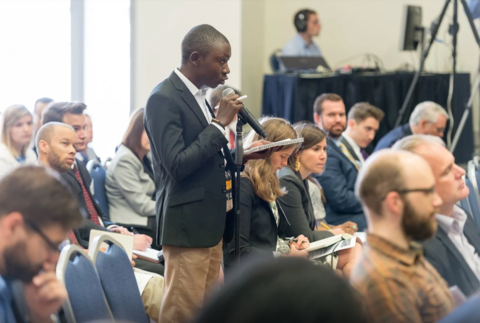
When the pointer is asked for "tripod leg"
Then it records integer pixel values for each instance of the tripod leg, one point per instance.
(434, 31)
(470, 22)
(468, 108)
(476, 86)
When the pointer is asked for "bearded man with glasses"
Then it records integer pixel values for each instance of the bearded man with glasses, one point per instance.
(397, 192)
(454, 251)
(37, 211)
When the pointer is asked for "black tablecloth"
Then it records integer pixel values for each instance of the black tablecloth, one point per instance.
(292, 96)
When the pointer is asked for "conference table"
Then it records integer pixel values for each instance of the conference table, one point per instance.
(291, 96)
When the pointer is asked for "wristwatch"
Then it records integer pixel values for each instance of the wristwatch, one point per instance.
(218, 122)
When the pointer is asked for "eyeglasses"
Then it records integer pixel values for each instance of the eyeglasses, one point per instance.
(426, 191)
(54, 247)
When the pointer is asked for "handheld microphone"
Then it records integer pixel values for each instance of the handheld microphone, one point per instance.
(246, 116)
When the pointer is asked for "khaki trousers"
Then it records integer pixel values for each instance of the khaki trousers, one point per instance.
(190, 274)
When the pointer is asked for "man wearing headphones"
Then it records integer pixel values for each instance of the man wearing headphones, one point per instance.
(307, 24)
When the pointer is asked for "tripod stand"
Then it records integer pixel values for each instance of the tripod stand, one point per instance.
(433, 32)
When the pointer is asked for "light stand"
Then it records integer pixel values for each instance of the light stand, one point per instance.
(453, 30)
(238, 173)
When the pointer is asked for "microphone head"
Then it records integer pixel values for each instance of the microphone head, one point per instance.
(227, 92)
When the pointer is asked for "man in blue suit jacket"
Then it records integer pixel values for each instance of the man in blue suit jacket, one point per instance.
(455, 249)
(345, 154)
(428, 118)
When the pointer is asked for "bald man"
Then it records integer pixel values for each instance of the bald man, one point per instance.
(397, 192)
(55, 146)
(455, 249)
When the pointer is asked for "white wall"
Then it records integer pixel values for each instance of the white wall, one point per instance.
(160, 27)
(351, 27)
(256, 28)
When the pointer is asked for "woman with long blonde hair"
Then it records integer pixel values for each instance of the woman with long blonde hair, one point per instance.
(16, 128)
(261, 230)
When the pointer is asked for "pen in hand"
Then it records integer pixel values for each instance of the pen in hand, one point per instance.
(296, 240)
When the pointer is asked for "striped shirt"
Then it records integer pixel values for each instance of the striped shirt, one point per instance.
(399, 285)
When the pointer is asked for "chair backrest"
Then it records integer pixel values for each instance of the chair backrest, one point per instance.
(473, 201)
(86, 300)
(113, 266)
(98, 175)
(274, 63)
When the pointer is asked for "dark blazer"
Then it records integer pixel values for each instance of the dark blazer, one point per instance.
(338, 183)
(189, 168)
(82, 233)
(393, 136)
(447, 260)
(258, 230)
(297, 207)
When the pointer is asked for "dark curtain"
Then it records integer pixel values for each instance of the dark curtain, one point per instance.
(291, 97)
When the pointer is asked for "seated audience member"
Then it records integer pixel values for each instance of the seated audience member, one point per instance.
(215, 97)
(308, 25)
(88, 154)
(309, 159)
(31, 232)
(283, 290)
(79, 180)
(428, 118)
(345, 156)
(16, 136)
(55, 142)
(261, 231)
(397, 190)
(129, 183)
(38, 109)
(454, 251)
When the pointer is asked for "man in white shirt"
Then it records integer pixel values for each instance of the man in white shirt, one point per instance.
(454, 251)
(362, 126)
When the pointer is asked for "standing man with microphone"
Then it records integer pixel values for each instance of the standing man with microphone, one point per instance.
(191, 170)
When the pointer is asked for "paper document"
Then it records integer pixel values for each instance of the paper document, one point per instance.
(149, 254)
(340, 245)
(327, 242)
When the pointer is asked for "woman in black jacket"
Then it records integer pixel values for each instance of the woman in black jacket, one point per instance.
(310, 158)
(261, 215)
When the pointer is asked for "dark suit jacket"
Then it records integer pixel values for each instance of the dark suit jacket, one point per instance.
(447, 260)
(82, 233)
(258, 229)
(189, 168)
(297, 207)
(338, 183)
(393, 136)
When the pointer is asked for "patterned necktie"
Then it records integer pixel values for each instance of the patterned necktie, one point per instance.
(73, 238)
(90, 207)
(348, 155)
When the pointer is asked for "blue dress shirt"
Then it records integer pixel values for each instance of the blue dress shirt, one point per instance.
(297, 46)
(474, 6)
(6, 311)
